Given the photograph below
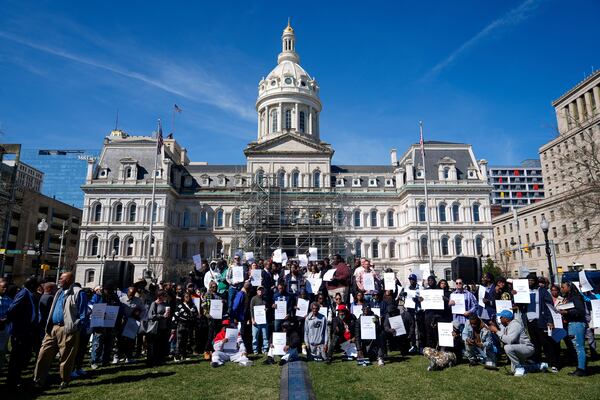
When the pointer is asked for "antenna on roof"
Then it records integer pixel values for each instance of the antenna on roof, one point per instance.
(117, 121)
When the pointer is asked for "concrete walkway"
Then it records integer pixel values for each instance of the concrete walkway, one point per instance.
(295, 382)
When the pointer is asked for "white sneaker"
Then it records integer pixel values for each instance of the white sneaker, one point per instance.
(115, 360)
(543, 367)
(380, 362)
(94, 366)
(520, 371)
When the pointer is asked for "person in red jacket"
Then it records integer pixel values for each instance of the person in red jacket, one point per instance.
(224, 353)
(341, 279)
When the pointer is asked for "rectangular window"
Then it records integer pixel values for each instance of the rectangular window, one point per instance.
(567, 247)
(526, 223)
(552, 216)
(537, 236)
(564, 229)
(593, 266)
(590, 243)
(554, 233)
(538, 251)
(534, 220)
(510, 227)
(577, 245)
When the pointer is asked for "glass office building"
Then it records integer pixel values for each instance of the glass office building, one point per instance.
(64, 171)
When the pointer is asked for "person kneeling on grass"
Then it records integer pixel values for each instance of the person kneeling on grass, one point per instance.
(517, 345)
(479, 343)
(221, 354)
(369, 349)
(291, 347)
(316, 335)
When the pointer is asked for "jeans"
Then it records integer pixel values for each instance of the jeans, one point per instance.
(577, 330)
(102, 346)
(486, 353)
(263, 329)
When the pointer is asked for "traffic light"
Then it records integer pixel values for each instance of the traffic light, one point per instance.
(526, 248)
(508, 253)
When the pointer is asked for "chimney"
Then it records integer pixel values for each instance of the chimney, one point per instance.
(90, 170)
(394, 157)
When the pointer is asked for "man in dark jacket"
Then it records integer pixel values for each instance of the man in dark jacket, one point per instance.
(369, 349)
(23, 314)
(341, 279)
(343, 329)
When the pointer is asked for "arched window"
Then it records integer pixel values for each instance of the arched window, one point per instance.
(203, 218)
(295, 179)
(375, 249)
(274, 124)
(236, 218)
(302, 122)
(127, 172)
(281, 179)
(154, 212)
(340, 217)
(357, 218)
(455, 212)
(374, 218)
(392, 249)
(184, 250)
(129, 246)
(116, 244)
(424, 246)
(90, 276)
(479, 246)
(422, 212)
(94, 247)
(475, 212)
(97, 212)
(446, 173)
(151, 246)
(390, 218)
(444, 245)
(357, 249)
(288, 119)
(219, 219)
(118, 213)
(458, 245)
(442, 212)
(132, 212)
(186, 218)
(259, 177)
(317, 179)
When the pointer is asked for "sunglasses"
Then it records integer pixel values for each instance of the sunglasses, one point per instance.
(459, 283)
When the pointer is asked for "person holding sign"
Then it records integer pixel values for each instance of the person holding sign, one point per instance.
(157, 332)
(236, 274)
(213, 323)
(294, 281)
(316, 334)
(487, 295)
(223, 352)
(575, 317)
(517, 346)
(343, 328)
(479, 343)
(286, 344)
(367, 280)
(184, 320)
(369, 338)
(412, 303)
(340, 282)
(433, 315)
(282, 305)
(104, 336)
(259, 321)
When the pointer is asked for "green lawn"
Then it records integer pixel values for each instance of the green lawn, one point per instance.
(408, 378)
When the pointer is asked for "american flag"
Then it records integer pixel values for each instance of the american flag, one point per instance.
(159, 138)
(176, 108)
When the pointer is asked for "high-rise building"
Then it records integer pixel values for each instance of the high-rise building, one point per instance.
(64, 171)
(27, 176)
(516, 186)
(288, 195)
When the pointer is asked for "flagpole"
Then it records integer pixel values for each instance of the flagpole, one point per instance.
(158, 150)
(427, 219)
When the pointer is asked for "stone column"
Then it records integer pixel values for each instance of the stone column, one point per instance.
(596, 91)
(268, 121)
(310, 121)
(588, 104)
(297, 118)
(580, 110)
(572, 119)
(280, 118)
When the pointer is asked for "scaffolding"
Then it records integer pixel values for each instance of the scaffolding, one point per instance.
(292, 219)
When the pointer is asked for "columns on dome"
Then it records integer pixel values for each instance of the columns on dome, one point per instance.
(280, 117)
(297, 118)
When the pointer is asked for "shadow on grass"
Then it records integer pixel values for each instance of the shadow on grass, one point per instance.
(124, 379)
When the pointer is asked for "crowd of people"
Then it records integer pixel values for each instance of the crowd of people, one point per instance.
(226, 312)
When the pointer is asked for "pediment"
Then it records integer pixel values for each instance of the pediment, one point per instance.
(288, 144)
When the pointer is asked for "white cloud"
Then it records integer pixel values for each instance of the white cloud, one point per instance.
(513, 17)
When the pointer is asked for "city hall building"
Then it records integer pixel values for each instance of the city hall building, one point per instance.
(287, 195)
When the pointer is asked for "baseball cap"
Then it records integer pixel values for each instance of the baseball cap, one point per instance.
(342, 307)
(412, 277)
(506, 314)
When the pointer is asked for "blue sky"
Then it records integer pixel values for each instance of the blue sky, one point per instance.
(479, 72)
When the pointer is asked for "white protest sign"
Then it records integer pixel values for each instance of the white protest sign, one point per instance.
(445, 334)
(521, 286)
(595, 322)
(556, 318)
(502, 305)
(277, 256)
(433, 299)
(376, 311)
(196, 301)
(303, 259)
(349, 349)
(279, 340)
(356, 310)
(231, 335)
(110, 316)
(131, 328)
(328, 276)
(238, 274)
(302, 308)
(256, 277)
(209, 276)
(260, 315)
(389, 281)
(367, 328)
(312, 254)
(459, 303)
(280, 309)
(481, 295)
(249, 256)
(397, 324)
(97, 317)
(216, 309)
(313, 285)
(324, 311)
(409, 301)
(584, 283)
(197, 261)
(368, 281)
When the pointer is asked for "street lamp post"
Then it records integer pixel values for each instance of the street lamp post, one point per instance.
(545, 227)
(102, 262)
(62, 238)
(42, 227)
